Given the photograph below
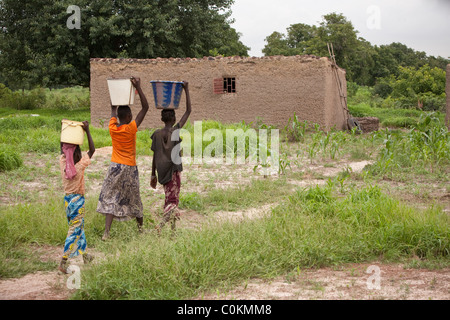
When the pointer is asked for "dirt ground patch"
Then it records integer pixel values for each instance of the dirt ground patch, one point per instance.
(44, 285)
(351, 282)
(36, 286)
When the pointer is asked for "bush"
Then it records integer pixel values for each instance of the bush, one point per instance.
(382, 89)
(352, 89)
(30, 100)
(62, 99)
(422, 88)
(432, 102)
(9, 158)
(4, 91)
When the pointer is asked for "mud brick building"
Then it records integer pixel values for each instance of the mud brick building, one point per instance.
(233, 89)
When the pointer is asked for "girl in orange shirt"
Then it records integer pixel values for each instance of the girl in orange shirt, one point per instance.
(120, 196)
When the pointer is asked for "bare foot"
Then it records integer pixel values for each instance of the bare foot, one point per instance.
(105, 236)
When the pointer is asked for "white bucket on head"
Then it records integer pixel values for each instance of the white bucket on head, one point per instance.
(72, 132)
(121, 92)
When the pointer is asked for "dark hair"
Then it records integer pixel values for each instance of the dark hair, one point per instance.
(123, 112)
(77, 154)
(167, 115)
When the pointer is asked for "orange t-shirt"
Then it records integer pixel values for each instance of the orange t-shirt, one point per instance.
(123, 142)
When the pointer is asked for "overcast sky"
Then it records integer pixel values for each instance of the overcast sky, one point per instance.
(423, 25)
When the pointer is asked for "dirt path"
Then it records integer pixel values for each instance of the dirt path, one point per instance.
(350, 282)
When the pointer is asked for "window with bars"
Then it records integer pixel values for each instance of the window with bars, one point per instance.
(225, 85)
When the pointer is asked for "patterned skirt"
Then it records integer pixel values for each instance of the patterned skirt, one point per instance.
(172, 193)
(120, 195)
(172, 198)
(75, 243)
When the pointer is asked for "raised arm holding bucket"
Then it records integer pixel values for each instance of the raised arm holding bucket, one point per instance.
(72, 165)
(120, 196)
(169, 169)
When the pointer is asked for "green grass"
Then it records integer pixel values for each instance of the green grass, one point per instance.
(424, 148)
(240, 197)
(389, 117)
(41, 134)
(20, 261)
(313, 228)
(9, 158)
(45, 223)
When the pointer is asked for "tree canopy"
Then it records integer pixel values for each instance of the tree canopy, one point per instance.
(37, 47)
(363, 62)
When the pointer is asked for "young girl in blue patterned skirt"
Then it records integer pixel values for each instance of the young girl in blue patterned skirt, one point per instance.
(73, 164)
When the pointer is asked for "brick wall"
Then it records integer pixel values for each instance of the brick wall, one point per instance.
(269, 88)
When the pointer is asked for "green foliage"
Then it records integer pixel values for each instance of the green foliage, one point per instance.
(363, 62)
(367, 102)
(422, 88)
(426, 146)
(34, 99)
(9, 158)
(225, 139)
(38, 48)
(305, 39)
(295, 129)
(312, 228)
(191, 200)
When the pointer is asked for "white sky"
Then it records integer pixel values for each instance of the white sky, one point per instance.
(423, 25)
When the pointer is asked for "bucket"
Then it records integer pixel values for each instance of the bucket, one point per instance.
(121, 92)
(167, 93)
(72, 132)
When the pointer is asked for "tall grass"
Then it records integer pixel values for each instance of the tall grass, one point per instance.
(313, 228)
(62, 99)
(426, 145)
(9, 158)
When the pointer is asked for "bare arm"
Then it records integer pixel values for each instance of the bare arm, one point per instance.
(113, 111)
(140, 117)
(90, 141)
(153, 180)
(188, 105)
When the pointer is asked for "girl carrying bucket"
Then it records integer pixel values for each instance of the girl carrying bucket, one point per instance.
(166, 163)
(120, 196)
(72, 165)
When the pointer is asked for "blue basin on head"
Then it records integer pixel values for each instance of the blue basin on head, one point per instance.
(167, 93)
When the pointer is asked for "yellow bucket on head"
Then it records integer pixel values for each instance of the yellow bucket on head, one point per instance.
(72, 132)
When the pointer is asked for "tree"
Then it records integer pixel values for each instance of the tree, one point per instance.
(39, 49)
(363, 62)
(276, 45)
(351, 52)
(422, 87)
